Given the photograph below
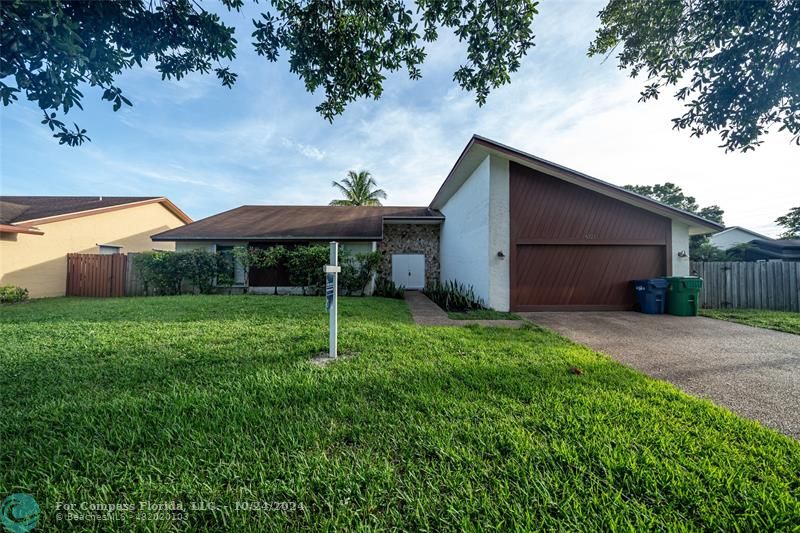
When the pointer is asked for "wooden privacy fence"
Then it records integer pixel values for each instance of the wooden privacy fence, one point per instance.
(96, 275)
(750, 285)
(134, 285)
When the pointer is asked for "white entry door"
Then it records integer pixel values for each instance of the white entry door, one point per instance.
(408, 270)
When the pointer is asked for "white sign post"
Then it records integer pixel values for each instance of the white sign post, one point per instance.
(332, 296)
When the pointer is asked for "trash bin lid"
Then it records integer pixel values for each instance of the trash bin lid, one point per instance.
(656, 283)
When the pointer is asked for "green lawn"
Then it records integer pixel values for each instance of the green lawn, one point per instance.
(483, 314)
(761, 318)
(210, 401)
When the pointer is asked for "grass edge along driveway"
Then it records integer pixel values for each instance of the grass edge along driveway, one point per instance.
(211, 402)
(786, 321)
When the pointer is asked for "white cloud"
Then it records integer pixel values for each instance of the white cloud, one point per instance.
(311, 152)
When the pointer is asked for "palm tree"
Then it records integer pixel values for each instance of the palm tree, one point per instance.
(359, 188)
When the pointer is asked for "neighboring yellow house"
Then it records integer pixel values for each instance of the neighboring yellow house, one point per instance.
(37, 233)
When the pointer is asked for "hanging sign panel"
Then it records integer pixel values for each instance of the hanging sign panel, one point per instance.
(330, 283)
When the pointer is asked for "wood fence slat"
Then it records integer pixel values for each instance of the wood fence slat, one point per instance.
(69, 275)
(112, 287)
(741, 286)
(86, 276)
(96, 275)
(102, 287)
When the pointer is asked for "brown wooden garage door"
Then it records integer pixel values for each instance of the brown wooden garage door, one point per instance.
(573, 248)
(574, 277)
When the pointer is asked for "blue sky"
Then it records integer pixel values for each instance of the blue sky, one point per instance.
(209, 148)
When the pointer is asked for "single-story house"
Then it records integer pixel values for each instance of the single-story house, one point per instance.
(526, 233)
(734, 236)
(407, 236)
(37, 233)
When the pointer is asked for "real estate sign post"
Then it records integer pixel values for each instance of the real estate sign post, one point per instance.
(331, 296)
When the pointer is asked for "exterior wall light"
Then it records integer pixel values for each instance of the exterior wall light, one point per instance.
(683, 253)
(501, 255)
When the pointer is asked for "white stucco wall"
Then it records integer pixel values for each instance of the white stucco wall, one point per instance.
(499, 236)
(731, 238)
(464, 240)
(680, 242)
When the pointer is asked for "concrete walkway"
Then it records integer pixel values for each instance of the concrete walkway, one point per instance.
(427, 313)
(752, 371)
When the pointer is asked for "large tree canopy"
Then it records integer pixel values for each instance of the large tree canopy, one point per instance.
(735, 63)
(48, 48)
(700, 248)
(672, 195)
(790, 223)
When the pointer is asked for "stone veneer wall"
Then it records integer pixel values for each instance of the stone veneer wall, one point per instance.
(411, 239)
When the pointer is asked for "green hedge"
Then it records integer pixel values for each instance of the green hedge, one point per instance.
(201, 270)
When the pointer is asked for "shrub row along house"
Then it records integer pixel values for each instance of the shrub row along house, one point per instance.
(37, 233)
(526, 233)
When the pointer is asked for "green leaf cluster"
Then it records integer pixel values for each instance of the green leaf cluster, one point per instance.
(454, 296)
(791, 224)
(345, 49)
(700, 248)
(734, 63)
(359, 188)
(357, 271)
(9, 294)
(386, 288)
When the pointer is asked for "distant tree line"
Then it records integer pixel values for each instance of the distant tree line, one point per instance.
(700, 247)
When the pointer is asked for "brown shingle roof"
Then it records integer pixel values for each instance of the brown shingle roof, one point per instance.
(296, 222)
(28, 210)
(16, 209)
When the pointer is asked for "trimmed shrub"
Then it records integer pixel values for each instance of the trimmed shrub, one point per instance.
(199, 267)
(9, 294)
(357, 271)
(305, 267)
(160, 271)
(454, 296)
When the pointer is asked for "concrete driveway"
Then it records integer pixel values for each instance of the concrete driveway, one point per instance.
(753, 372)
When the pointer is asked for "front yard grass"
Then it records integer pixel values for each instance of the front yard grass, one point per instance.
(483, 314)
(761, 318)
(210, 402)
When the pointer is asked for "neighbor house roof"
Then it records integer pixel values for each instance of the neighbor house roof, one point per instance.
(745, 230)
(298, 222)
(22, 213)
(478, 148)
(784, 249)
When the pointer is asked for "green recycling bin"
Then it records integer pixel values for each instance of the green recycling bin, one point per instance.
(683, 295)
